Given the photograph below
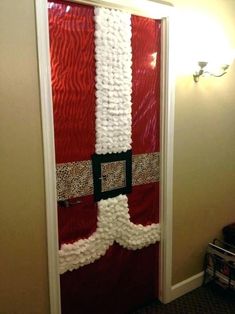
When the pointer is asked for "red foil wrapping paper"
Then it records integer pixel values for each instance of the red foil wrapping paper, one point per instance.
(122, 279)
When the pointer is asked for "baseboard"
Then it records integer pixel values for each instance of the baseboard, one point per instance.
(186, 286)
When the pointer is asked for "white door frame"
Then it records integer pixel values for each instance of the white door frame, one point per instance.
(157, 10)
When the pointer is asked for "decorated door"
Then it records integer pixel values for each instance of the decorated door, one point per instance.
(105, 67)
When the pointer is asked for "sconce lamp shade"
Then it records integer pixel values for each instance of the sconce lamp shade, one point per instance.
(202, 71)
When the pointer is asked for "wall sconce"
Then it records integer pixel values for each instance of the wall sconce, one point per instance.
(202, 71)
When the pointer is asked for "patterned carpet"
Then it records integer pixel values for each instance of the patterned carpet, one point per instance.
(209, 299)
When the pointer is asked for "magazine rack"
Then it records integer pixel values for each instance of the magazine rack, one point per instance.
(220, 264)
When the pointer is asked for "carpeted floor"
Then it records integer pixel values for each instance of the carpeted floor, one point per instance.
(209, 299)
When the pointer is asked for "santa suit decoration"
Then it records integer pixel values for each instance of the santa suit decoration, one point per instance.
(109, 174)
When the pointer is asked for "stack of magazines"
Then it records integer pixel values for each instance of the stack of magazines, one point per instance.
(220, 264)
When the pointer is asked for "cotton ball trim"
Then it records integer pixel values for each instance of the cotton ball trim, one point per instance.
(113, 55)
(113, 224)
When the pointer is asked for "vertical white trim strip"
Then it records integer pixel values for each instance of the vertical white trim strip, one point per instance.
(49, 154)
(113, 54)
(167, 146)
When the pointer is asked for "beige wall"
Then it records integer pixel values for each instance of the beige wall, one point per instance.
(204, 150)
(204, 160)
(23, 257)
